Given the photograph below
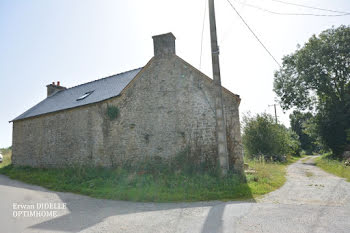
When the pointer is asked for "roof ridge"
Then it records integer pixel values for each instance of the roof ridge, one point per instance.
(103, 78)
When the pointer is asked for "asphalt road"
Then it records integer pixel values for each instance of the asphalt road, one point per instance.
(310, 201)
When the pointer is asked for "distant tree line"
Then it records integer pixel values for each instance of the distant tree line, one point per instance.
(315, 81)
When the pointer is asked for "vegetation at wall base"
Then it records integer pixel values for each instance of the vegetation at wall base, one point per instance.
(332, 165)
(152, 185)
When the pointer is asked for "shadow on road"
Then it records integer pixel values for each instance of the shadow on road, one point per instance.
(85, 212)
(214, 220)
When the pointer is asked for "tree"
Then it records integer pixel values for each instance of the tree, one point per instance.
(300, 123)
(263, 137)
(317, 76)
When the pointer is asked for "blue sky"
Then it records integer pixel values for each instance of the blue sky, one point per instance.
(76, 41)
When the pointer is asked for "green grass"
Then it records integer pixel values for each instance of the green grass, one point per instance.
(123, 184)
(6, 157)
(120, 184)
(331, 165)
(268, 177)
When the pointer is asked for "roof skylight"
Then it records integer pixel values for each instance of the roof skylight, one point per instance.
(85, 95)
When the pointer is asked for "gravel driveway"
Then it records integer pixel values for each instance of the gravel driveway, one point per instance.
(310, 201)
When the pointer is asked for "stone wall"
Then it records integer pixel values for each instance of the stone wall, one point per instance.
(167, 108)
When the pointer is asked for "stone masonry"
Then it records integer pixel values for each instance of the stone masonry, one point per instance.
(166, 108)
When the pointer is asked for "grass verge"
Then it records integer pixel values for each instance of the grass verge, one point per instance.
(267, 177)
(331, 165)
(120, 184)
(6, 157)
(155, 186)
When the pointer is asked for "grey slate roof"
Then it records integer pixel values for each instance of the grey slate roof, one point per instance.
(103, 89)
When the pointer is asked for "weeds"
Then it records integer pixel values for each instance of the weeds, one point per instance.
(121, 184)
(331, 165)
(112, 112)
(268, 176)
(157, 180)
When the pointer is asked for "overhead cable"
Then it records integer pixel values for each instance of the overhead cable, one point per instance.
(290, 14)
(251, 30)
(200, 57)
(310, 7)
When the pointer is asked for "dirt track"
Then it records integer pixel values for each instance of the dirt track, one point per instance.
(310, 201)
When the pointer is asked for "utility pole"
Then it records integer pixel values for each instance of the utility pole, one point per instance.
(275, 111)
(219, 112)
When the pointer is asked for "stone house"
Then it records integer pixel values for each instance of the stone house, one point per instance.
(161, 109)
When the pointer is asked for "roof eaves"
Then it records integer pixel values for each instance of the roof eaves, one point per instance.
(61, 110)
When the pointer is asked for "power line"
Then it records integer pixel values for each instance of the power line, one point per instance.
(294, 14)
(310, 7)
(200, 57)
(254, 34)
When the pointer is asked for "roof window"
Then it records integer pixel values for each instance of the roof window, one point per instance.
(85, 95)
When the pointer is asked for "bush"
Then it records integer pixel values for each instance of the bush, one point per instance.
(294, 144)
(263, 137)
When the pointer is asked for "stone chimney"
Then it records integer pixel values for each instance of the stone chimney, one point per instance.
(54, 88)
(164, 44)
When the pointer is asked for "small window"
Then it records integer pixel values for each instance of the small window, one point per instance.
(85, 95)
